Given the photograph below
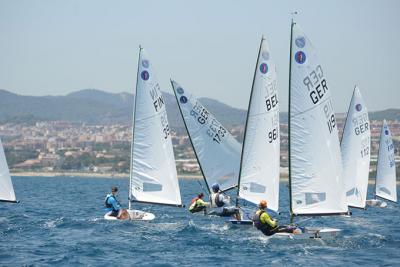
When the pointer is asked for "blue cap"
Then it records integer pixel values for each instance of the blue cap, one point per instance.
(215, 187)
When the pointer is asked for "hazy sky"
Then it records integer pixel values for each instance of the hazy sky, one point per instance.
(55, 47)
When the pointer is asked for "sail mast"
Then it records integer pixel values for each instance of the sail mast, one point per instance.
(247, 120)
(190, 139)
(289, 109)
(133, 130)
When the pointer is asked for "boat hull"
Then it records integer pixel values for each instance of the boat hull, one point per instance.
(308, 232)
(376, 203)
(134, 215)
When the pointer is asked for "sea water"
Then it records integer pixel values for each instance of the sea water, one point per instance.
(59, 221)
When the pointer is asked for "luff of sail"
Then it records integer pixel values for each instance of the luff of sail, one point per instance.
(355, 147)
(153, 172)
(259, 177)
(315, 173)
(386, 168)
(6, 188)
(217, 151)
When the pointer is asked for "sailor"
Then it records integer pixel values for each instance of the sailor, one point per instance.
(217, 198)
(113, 206)
(220, 202)
(269, 226)
(198, 204)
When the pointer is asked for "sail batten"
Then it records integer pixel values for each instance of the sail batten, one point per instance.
(217, 151)
(153, 171)
(7, 193)
(259, 177)
(355, 147)
(316, 182)
(385, 186)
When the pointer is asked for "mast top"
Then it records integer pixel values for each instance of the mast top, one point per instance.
(294, 13)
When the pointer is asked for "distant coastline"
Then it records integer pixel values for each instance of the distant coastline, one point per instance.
(90, 175)
(283, 178)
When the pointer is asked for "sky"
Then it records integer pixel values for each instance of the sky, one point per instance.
(210, 47)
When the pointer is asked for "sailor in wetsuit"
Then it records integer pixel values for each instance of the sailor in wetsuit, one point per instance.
(112, 205)
(219, 201)
(269, 226)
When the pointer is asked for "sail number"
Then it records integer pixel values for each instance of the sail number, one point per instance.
(389, 145)
(365, 152)
(329, 115)
(271, 102)
(164, 125)
(199, 113)
(316, 84)
(156, 96)
(273, 135)
(216, 131)
(391, 160)
(365, 143)
(361, 124)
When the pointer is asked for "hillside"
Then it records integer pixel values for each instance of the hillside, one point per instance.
(96, 106)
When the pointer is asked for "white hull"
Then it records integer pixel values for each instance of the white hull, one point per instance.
(134, 215)
(312, 232)
(376, 203)
(309, 232)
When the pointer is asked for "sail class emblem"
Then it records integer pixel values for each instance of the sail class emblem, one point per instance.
(180, 90)
(358, 107)
(300, 42)
(300, 57)
(183, 99)
(265, 55)
(145, 75)
(264, 68)
(145, 63)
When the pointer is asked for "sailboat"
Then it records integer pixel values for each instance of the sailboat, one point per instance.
(355, 147)
(153, 175)
(385, 183)
(6, 187)
(217, 151)
(260, 159)
(316, 185)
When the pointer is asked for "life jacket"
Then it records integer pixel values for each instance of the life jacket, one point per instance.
(108, 205)
(194, 207)
(258, 224)
(194, 200)
(216, 201)
(193, 203)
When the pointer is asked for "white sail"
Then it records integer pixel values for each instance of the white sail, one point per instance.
(153, 171)
(316, 182)
(217, 151)
(355, 147)
(259, 178)
(6, 187)
(386, 169)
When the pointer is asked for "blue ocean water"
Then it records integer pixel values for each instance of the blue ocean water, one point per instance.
(60, 222)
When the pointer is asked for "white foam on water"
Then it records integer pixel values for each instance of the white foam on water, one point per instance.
(53, 223)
